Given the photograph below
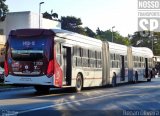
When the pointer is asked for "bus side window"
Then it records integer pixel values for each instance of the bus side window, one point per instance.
(77, 54)
(87, 58)
(79, 60)
(100, 60)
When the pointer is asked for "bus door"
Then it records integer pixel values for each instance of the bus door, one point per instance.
(122, 68)
(146, 67)
(67, 65)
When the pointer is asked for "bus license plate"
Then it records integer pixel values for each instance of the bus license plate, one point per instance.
(25, 79)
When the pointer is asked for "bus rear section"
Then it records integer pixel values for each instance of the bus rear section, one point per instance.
(30, 59)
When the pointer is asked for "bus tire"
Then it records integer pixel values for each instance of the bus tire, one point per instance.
(79, 83)
(136, 77)
(42, 89)
(114, 83)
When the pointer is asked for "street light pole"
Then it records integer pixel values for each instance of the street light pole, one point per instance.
(112, 32)
(152, 38)
(152, 43)
(40, 13)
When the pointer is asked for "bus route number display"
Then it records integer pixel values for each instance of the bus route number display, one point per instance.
(28, 43)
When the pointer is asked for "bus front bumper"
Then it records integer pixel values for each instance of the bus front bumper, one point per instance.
(20, 80)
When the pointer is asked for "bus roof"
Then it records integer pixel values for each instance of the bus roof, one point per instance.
(118, 48)
(31, 32)
(142, 51)
(77, 37)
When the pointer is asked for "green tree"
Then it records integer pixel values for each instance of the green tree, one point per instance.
(89, 32)
(156, 43)
(104, 35)
(120, 39)
(107, 36)
(98, 31)
(3, 10)
(51, 16)
(73, 24)
(47, 15)
(145, 39)
(142, 39)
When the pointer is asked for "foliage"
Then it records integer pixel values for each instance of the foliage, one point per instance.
(3, 10)
(73, 24)
(146, 39)
(156, 43)
(51, 16)
(141, 39)
(89, 32)
(104, 35)
(107, 36)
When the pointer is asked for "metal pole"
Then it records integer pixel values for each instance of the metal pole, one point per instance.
(151, 37)
(112, 32)
(40, 13)
(152, 42)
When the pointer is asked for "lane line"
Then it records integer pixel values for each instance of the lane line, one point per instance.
(81, 100)
(111, 91)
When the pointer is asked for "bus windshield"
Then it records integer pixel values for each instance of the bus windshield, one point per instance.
(30, 49)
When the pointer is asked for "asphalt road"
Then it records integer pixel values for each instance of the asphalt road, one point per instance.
(130, 99)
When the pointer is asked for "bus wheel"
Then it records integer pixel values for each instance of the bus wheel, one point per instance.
(42, 89)
(114, 83)
(136, 77)
(79, 83)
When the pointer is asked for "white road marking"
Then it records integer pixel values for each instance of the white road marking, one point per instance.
(81, 100)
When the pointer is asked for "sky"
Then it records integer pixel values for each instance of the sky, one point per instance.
(105, 14)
